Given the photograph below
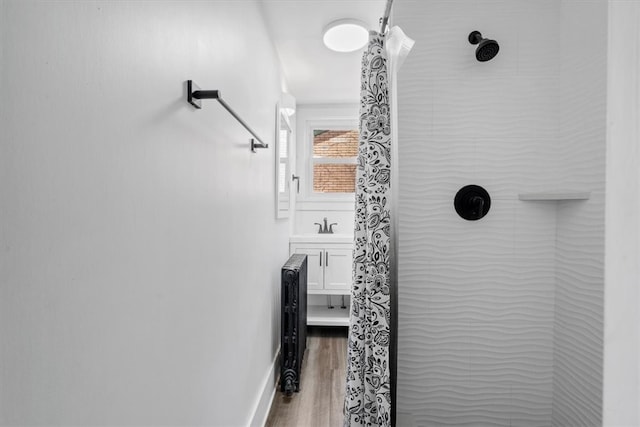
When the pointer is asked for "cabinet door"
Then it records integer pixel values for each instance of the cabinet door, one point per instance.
(338, 269)
(315, 262)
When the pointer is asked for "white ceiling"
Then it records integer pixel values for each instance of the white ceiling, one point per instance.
(315, 74)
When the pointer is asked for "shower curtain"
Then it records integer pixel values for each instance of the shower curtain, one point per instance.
(368, 400)
(368, 393)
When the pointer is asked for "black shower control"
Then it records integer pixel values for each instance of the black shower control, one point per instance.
(472, 202)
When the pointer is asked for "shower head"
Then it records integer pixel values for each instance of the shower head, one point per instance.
(487, 49)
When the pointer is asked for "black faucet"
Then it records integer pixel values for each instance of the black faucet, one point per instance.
(325, 229)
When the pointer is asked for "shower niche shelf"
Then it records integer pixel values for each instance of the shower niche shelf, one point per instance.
(555, 196)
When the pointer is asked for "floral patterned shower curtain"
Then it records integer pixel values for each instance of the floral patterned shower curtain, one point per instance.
(368, 392)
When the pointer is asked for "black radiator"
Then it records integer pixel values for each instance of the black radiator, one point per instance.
(294, 322)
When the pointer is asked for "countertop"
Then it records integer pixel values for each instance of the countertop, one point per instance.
(321, 238)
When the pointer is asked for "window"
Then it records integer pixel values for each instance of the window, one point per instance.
(326, 156)
(333, 159)
(283, 158)
(283, 170)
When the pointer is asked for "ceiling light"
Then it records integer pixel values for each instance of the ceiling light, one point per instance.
(345, 35)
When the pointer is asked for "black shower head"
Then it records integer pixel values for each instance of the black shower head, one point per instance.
(487, 49)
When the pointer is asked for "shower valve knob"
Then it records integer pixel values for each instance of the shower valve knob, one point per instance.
(472, 202)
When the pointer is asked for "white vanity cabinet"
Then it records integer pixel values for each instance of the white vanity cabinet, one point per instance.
(329, 272)
(328, 266)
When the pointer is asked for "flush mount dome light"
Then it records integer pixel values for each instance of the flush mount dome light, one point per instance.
(345, 35)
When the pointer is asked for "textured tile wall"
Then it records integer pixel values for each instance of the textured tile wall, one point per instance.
(477, 299)
(577, 387)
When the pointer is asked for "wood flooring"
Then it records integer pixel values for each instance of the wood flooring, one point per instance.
(320, 400)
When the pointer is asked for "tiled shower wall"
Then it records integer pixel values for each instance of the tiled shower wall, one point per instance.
(578, 339)
(477, 306)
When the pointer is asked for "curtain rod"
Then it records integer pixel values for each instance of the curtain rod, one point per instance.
(194, 95)
(384, 21)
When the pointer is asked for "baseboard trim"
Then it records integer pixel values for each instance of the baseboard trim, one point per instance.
(268, 391)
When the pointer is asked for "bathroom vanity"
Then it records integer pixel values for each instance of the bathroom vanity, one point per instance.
(330, 266)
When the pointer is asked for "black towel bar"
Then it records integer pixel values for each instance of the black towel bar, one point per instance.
(194, 95)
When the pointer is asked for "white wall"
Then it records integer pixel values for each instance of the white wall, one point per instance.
(140, 254)
(621, 394)
(578, 326)
(2, 205)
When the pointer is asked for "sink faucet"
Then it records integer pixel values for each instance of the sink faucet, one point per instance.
(324, 229)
